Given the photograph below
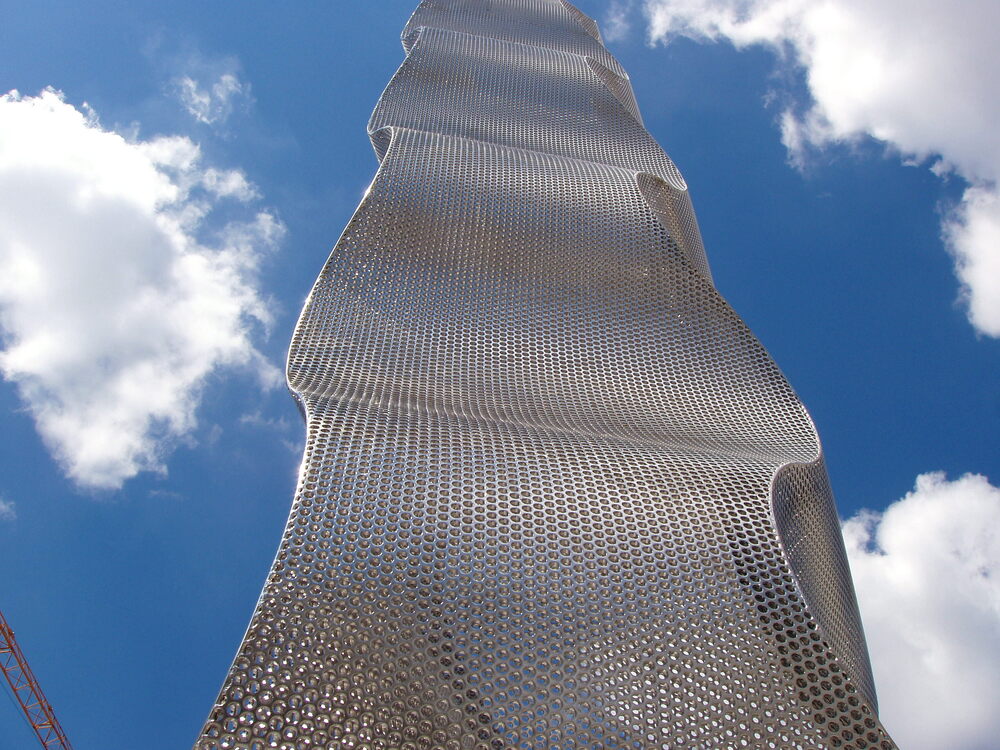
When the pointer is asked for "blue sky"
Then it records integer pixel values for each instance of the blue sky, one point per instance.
(130, 577)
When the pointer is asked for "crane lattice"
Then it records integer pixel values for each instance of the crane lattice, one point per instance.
(28, 692)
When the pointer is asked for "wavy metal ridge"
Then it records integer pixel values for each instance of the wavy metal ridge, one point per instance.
(554, 494)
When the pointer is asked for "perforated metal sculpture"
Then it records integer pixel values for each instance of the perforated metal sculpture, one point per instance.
(555, 494)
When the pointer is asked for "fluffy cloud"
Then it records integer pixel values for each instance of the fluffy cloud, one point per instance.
(973, 232)
(616, 24)
(8, 512)
(213, 103)
(927, 574)
(917, 74)
(119, 294)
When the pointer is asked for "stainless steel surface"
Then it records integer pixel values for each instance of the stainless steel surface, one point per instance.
(554, 494)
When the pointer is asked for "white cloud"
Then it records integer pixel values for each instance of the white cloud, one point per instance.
(616, 26)
(927, 574)
(118, 293)
(211, 104)
(8, 512)
(917, 74)
(257, 419)
(973, 233)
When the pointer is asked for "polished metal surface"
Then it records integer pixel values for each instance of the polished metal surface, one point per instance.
(554, 494)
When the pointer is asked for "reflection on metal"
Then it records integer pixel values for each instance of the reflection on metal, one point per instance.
(555, 494)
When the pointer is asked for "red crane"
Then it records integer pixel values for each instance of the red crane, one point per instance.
(28, 693)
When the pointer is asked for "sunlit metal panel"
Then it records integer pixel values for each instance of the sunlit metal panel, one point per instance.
(554, 492)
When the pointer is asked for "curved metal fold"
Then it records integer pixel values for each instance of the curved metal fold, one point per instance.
(532, 98)
(554, 491)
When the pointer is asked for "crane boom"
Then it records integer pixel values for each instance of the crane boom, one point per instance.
(28, 692)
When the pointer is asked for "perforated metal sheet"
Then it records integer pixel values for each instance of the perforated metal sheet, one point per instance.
(554, 494)
(534, 98)
(533, 22)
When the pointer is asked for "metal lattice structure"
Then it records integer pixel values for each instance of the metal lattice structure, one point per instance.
(28, 693)
(555, 494)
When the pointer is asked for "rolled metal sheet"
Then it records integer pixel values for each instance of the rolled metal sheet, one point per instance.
(554, 493)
